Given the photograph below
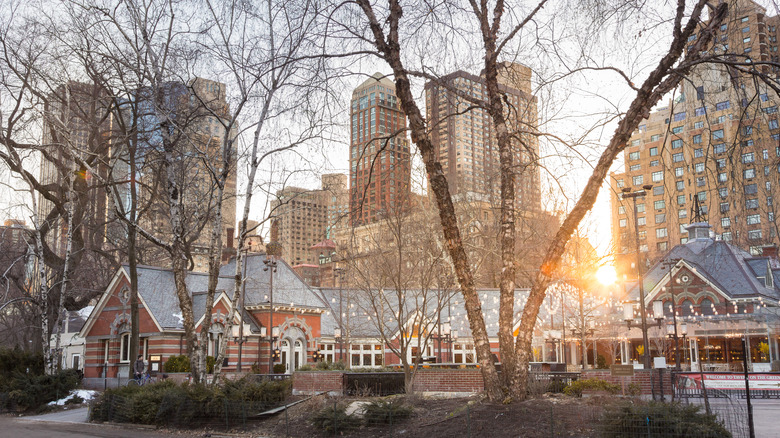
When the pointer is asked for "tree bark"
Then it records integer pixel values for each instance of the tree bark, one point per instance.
(390, 50)
(664, 78)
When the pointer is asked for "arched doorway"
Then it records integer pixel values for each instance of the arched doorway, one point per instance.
(294, 349)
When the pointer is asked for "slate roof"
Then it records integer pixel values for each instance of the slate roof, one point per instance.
(362, 323)
(732, 270)
(157, 289)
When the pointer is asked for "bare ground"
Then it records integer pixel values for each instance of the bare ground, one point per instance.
(539, 417)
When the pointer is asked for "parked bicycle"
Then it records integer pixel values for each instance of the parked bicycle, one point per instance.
(141, 381)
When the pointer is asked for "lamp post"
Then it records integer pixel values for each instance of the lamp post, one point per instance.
(628, 316)
(339, 274)
(627, 193)
(240, 335)
(270, 263)
(444, 334)
(672, 330)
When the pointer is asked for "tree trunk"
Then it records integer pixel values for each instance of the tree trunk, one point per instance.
(391, 52)
(661, 81)
(65, 272)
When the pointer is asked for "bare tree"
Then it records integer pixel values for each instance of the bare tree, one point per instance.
(397, 276)
(384, 25)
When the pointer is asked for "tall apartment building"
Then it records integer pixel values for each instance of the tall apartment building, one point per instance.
(303, 218)
(198, 110)
(711, 153)
(465, 140)
(336, 187)
(77, 118)
(379, 158)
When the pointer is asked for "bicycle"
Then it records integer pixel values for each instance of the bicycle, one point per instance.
(140, 381)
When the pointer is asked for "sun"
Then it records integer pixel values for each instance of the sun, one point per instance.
(606, 275)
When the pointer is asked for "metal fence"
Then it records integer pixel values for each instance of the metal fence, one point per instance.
(612, 419)
(373, 384)
(179, 412)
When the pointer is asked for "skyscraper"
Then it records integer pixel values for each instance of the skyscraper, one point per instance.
(710, 154)
(379, 158)
(465, 140)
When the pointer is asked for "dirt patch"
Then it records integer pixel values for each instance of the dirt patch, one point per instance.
(538, 417)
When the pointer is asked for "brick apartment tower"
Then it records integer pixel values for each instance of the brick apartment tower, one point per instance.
(303, 217)
(379, 159)
(465, 140)
(711, 153)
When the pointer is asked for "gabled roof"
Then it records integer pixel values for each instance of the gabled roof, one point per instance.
(734, 271)
(157, 290)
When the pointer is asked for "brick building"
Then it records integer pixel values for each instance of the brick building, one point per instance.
(710, 153)
(379, 157)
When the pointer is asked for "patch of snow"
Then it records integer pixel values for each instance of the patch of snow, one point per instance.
(85, 312)
(179, 317)
(85, 394)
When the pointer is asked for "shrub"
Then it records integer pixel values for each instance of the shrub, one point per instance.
(177, 364)
(634, 389)
(333, 366)
(191, 405)
(280, 368)
(673, 420)
(386, 411)
(17, 360)
(575, 388)
(210, 361)
(332, 419)
(601, 362)
(29, 391)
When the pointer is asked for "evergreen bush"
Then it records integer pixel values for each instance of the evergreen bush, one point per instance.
(670, 420)
(177, 364)
(386, 411)
(334, 419)
(575, 388)
(30, 391)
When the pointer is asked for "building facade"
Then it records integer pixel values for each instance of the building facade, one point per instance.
(379, 156)
(711, 153)
(302, 218)
(465, 140)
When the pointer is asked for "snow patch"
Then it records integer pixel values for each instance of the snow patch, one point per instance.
(85, 312)
(85, 394)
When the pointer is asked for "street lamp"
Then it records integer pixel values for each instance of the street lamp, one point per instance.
(338, 338)
(340, 273)
(671, 264)
(270, 263)
(627, 193)
(658, 315)
(445, 334)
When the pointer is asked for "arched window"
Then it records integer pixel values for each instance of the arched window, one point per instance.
(215, 335)
(668, 308)
(707, 308)
(686, 308)
(124, 347)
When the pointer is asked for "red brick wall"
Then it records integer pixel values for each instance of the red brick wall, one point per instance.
(312, 382)
(642, 377)
(461, 380)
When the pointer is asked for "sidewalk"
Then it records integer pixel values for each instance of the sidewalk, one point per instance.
(78, 415)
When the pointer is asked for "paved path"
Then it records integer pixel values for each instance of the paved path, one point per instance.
(79, 415)
(71, 423)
